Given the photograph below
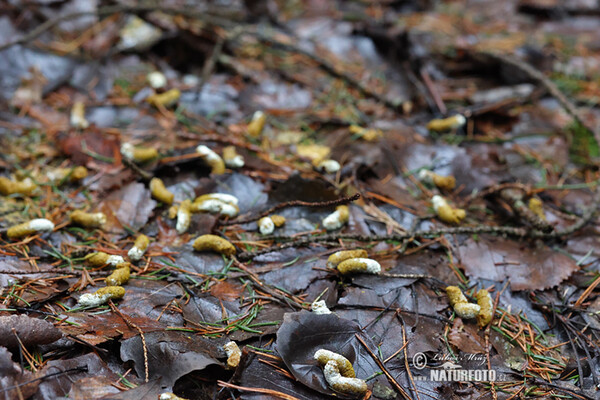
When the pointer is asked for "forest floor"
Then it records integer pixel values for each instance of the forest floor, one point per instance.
(370, 107)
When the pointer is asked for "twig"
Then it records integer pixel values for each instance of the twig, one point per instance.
(132, 325)
(294, 203)
(515, 200)
(434, 92)
(409, 373)
(82, 368)
(292, 241)
(380, 364)
(132, 166)
(291, 301)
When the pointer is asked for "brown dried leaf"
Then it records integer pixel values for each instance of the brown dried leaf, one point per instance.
(30, 331)
(131, 206)
(11, 376)
(466, 338)
(171, 354)
(526, 268)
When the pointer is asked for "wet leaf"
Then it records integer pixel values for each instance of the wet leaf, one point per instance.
(171, 354)
(129, 207)
(13, 378)
(526, 268)
(29, 331)
(303, 333)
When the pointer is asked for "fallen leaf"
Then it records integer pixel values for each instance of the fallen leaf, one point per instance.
(13, 376)
(171, 355)
(525, 266)
(30, 331)
(303, 333)
(130, 206)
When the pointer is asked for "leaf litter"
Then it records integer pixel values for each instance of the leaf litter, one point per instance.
(497, 98)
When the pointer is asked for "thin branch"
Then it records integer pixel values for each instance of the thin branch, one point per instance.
(294, 203)
(381, 365)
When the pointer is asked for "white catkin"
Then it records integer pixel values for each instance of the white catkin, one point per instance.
(332, 221)
(41, 225)
(225, 198)
(425, 176)
(207, 153)
(320, 308)
(92, 300)
(438, 201)
(127, 150)
(216, 205)
(373, 267)
(157, 79)
(459, 120)
(212, 206)
(114, 260)
(330, 355)
(135, 253)
(78, 120)
(330, 166)
(266, 226)
(183, 220)
(467, 310)
(235, 162)
(229, 210)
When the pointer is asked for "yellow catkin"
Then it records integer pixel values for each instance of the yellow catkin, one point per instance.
(138, 154)
(278, 220)
(443, 182)
(349, 386)
(314, 152)
(144, 154)
(256, 126)
(25, 187)
(447, 213)
(139, 247)
(160, 192)
(87, 220)
(78, 174)
(344, 365)
(214, 243)
(344, 255)
(455, 295)
(537, 207)
(78, 116)
(369, 135)
(359, 265)
(484, 300)
(232, 158)
(100, 258)
(120, 275)
(97, 259)
(115, 292)
(216, 163)
(166, 99)
(72, 174)
(459, 302)
(29, 228)
(446, 124)
(234, 354)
